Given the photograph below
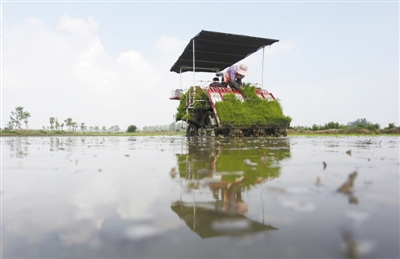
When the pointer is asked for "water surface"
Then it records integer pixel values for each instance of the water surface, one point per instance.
(169, 197)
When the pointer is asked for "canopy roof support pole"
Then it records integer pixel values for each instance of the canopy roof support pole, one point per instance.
(262, 72)
(180, 74)
(194, 70)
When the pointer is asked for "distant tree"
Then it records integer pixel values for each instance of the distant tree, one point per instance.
(51, 123)
(17, 116)
(96, 128)
(10, 125)
(26, 115)
(114, 128)
(83, 127)
(104, 129)
(315, 127)
(364, 124)
(91, 128)
(74, 125)
(131, 128)
(391, 125)
(361, 123)
(68, 123)
(62, 125)
(331, 125)
(57, 124)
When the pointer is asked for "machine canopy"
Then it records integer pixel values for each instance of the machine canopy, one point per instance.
(215, 51)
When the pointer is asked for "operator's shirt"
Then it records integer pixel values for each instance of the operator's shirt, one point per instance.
(230, 74)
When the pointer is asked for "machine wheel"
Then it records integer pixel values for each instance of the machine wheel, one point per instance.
(192, 130)
(206, 124)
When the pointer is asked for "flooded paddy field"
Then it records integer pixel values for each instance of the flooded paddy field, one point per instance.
(173, 197)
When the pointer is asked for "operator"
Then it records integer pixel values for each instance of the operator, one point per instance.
(233, 76)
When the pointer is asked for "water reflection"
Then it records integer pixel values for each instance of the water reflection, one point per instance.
(18, 147)
(124, 197)
(228, 160)
(223, 170)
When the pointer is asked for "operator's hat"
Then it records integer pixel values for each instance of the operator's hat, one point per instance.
(242, 70)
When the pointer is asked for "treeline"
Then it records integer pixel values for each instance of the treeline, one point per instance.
(359, 123)
(19, 115)
(69, 124)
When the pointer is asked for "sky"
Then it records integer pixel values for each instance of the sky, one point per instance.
(108, 63)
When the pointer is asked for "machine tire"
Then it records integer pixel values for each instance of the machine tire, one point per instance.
(192, 130)
(206, 124)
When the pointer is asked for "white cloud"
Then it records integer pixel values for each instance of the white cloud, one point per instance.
(34, 22)
(74, 25)
(52, 74)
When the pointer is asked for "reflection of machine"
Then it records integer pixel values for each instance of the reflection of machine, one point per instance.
(229, 160)
(208, 222)
(217, 173)
(213, 52)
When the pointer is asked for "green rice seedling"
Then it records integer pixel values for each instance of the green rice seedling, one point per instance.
(254, 111)
(199, 98)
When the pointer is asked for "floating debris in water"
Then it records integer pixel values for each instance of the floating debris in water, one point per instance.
(369, 142)
(347, 187)
(324, 164)
(127, 155)
(348, 152)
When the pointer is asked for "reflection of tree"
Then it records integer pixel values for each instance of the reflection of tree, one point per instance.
(62, 143)
(17, 146)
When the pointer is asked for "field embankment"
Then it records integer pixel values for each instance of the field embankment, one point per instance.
(60, 133)
(347, 131)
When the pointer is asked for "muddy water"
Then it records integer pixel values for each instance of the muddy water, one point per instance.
(169, 197)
